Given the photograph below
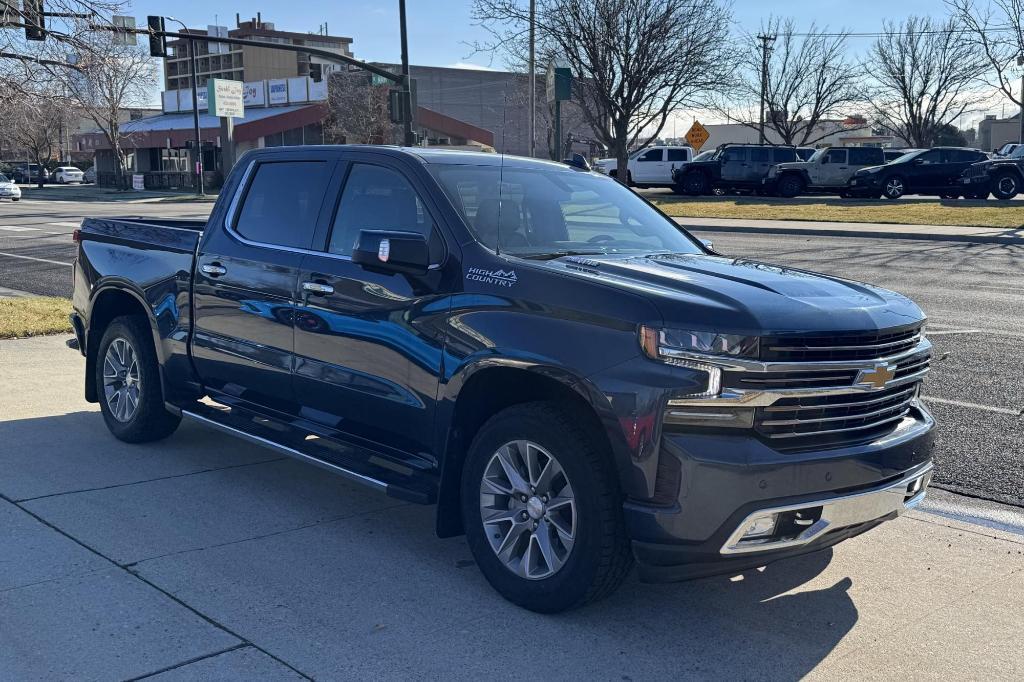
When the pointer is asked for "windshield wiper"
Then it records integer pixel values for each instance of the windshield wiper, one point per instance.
(558, 254)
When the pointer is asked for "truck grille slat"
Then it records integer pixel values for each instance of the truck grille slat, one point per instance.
(841, 346)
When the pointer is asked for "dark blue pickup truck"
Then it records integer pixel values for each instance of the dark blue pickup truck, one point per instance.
(572, 379)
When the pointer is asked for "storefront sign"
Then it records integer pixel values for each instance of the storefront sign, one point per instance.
(254, 94)
(138, 182)
(278, 91)
(298, 90)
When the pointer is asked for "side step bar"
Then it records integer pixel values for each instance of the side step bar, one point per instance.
(400, 489)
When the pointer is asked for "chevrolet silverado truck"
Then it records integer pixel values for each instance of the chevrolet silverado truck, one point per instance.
(573, 381)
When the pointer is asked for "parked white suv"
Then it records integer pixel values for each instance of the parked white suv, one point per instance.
(650, 166)
(65, 174)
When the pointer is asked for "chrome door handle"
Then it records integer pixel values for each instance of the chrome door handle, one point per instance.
(213, 270)
(318, 288)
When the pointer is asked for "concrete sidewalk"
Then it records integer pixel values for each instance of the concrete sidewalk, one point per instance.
(986, 235)
(203, 557)
(90, 193)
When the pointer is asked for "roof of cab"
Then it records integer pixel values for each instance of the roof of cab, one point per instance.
(430, 155)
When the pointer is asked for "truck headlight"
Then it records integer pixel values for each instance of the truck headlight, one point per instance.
(676, 344)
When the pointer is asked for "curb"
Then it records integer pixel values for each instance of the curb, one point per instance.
(862, 234)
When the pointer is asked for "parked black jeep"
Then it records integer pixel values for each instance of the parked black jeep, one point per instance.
(732, 167)
(1003, 176)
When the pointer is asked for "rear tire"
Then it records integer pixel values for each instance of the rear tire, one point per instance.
(592, 560)
(127, 377)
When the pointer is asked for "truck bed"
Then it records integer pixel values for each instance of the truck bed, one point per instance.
(170, 234)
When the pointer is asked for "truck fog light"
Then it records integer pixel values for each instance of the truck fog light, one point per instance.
(760, 527)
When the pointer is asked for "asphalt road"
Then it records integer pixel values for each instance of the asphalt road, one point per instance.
(971, 293)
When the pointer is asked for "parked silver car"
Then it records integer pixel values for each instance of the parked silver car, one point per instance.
(9, 190)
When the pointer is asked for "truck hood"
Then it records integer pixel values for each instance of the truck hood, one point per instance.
(792, 165)
(698, 291)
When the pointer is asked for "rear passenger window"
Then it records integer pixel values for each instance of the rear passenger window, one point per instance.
(784, 154)
(677, 155)
(760, 155)
(735, 154)
(866, 156)
(282, 203)
(652, 155)
(376, 198)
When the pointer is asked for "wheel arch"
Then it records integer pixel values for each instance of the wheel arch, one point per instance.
(482, 392)
(109, 302)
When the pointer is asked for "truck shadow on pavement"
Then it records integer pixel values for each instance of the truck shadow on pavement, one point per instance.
(341, 582)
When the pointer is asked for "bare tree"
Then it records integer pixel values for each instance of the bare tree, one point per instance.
(359, 110)
(27, 64)
(997, 29)
(924, 74)
(110, 78)
(810, 78)
(33, 124)
(634, 61)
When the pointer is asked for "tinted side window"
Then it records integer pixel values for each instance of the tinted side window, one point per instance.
(866, 156)
(735, 154)
(760, 155)
(376, 198)
(677, 155)
(836, 156)
(964, 156)
(651, 155)
(283, 201)
(784, 154)
(930, 157)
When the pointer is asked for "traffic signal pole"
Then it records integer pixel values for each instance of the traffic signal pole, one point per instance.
(194, 64)
(406, 85)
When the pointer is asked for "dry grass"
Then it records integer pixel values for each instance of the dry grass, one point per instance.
(34, 316)
(968, 213)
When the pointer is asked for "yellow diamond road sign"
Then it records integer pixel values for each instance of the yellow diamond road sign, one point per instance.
(697, 136)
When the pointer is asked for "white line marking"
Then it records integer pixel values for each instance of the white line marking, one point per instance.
(18, 228)
(939, 332)
(78, 224)
(991, 286)
(975, 406)
(39, 260)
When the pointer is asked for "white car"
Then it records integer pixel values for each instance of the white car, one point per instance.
(9, 190)
(65, 174)
(650, 166)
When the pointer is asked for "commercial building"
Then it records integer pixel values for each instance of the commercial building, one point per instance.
(994, 132)
(244, 62)
(850, 132)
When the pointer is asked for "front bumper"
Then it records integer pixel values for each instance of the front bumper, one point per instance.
(864, 185)
(726, 481)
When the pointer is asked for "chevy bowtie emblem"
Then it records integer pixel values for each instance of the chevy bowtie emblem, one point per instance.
(877, 377)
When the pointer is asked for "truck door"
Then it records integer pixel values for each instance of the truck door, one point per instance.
(677, 158)
(649, 166)
(246, 274)
(369, 345)
(760, 162)
(734, 165)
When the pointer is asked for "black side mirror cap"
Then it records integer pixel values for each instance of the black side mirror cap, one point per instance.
(392, 252)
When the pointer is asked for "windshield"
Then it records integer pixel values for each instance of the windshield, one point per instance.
(704, 156)
(908, 156)
(3, 178)
(547, 213)
(818, 154)
(1017, 153)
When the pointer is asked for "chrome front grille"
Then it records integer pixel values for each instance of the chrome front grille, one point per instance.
(840, 346)
(836, 419)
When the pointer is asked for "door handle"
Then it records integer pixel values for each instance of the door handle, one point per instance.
(318, 288)
(213, 269)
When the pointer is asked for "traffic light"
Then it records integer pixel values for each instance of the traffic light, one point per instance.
(399, 106)
(157, 39)
(35, 20)
(316, 72)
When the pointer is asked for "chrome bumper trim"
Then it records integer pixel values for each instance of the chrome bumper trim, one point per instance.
(838, 512)
(730, 364)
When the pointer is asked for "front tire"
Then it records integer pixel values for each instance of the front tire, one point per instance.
(127, 377)
(1005, 186)
(695, 184)
(893, 188)
(790, 185)
(542, 509)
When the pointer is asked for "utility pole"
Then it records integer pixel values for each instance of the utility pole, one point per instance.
(406, 84)
(533, 78)
(200, 184)
(766, 41)
(1020, 137)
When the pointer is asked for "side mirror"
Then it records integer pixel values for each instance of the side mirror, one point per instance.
(918, 162)
(392, 252)
(708, 243)
(577, 161)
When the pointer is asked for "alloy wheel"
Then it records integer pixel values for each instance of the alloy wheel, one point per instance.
(528, 510)
(1007, 185)
(894, 187)
(121, 385)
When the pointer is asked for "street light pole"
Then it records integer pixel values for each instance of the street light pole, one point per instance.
(533, 78)
(765, 40)
(406, 83)
(200, 185)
